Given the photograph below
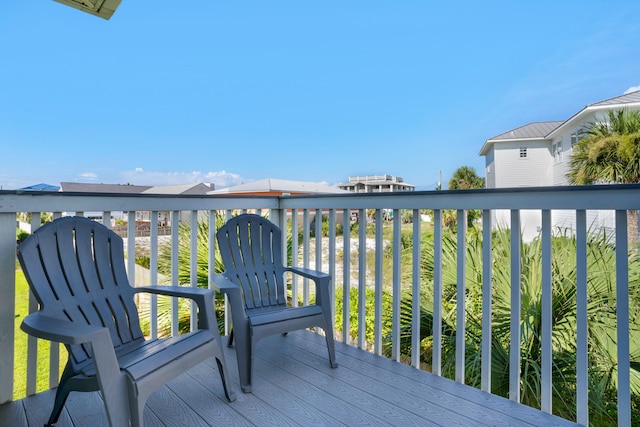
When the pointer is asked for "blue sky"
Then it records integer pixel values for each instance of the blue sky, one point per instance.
(172, 92)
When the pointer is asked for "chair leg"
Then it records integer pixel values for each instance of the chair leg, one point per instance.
(228, 392)
(331, 348)
(68, 384)
(230, 340)
(61, 397)
(244, 356)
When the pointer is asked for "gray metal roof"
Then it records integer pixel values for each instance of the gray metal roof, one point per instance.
(629, 98)
(530, 131)
(199, 189)
(103, 188)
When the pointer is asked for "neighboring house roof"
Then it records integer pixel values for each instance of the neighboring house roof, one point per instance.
(536, 130)
(548, 130)
(103, 188)
(278, 186)
(199, 188)
(41, 187)
(628, 98)
(623, 101)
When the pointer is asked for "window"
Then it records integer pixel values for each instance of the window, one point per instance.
(578, 136)
(556, 150)
(523, 152)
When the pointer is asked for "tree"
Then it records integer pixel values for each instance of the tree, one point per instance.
(464, 178)
(610, 154)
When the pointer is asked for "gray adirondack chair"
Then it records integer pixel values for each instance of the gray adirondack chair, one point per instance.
(254, 281)
(75, 268)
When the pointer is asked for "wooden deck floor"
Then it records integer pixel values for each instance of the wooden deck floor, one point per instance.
(294, 386)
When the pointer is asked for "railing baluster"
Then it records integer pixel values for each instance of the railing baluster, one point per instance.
(487, 302)
(514, 352)
(436, 367)
(54, 347)
(153, 273)
(193, 266)
(378, 285)
(175, 273)
(332, 261)
(294, 256)
(622, 316)
(318, 231)
(362, 277)
(397, 286)
(461, 296)
(415, 291)
(547, 313)
(32, 342)
(346, 277)
(582, 367)
(305, 255)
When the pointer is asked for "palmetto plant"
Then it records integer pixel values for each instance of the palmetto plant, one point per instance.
(609, 154)
(601, 320)
(184, 273)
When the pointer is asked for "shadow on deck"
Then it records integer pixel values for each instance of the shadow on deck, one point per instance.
(294, 386)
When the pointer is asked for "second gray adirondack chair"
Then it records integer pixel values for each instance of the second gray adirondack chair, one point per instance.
(254, 281)
(75, 268)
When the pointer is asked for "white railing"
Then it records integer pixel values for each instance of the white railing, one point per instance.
(545, 201)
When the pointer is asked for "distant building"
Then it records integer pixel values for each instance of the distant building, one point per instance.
(143, 218)
(41, 187)
(376, 184)
(277, 187)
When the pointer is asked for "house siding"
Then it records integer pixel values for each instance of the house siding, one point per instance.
(513, 171)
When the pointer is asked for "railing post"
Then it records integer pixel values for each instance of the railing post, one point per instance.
(7, 303)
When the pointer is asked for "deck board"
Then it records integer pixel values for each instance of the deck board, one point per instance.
(295, 386)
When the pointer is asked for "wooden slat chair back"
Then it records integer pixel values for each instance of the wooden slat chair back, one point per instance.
(75, 268)
(254, 281)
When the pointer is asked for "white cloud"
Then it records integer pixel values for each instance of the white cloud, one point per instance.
(220, 179)
(632, 89)
(90, 176)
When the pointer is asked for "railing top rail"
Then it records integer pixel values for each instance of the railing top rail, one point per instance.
(19, 201)
(618, 196)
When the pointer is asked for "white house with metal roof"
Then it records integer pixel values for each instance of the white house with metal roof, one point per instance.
(538, 154)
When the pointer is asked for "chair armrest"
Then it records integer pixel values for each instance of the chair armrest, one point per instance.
(175, 291)
(307, 272)
(221, 283)
(60, 330)
(321, 280)
(202, 297)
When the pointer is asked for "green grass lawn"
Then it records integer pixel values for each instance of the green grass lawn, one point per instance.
(20, 361)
